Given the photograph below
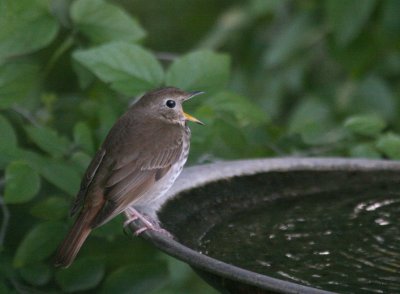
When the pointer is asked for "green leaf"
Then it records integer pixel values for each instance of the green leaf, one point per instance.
(36, 274)
(83, 137)
(25, 26)
(232, 137)
(202, 70)
(22, 183)
(17, 79)
(82, 160)
(262, 7)
(62, 174)
(103, 22)
(138, 278)
(85, 77)
(390, 20)
(312, 120)
(4, 289)
(240, 107)
(83, 274)
(375, 95)
(8, 136)
(366, 125)
(389, 144)
(52, 208)
(364, 151)
(39, 243)
(295, 35)
(348, 17)
(48, 140)
(128, 68)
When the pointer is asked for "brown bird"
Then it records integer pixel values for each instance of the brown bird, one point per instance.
(141, 157)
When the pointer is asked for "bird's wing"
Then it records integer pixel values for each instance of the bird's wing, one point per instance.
(87, 180)
(138, 168)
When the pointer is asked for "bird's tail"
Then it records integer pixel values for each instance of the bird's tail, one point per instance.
(75, 238)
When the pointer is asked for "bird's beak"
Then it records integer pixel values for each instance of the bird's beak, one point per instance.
(192, 118)
(188, 116)
(194, 93)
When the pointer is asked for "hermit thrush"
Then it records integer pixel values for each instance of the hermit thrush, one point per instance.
(138, 162)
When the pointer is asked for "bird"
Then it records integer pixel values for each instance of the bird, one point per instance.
(139, 160)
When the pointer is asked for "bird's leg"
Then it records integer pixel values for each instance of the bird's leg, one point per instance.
(132, 214)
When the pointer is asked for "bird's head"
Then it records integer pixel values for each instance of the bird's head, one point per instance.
(166, 104)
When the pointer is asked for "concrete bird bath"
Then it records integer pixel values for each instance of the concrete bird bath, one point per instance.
(292, 225)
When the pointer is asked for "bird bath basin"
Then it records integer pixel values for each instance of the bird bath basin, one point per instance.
(287, 225)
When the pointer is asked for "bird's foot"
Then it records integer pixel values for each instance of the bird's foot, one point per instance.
(149, 223)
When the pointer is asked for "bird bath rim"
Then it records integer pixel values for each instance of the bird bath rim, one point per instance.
(196, 176)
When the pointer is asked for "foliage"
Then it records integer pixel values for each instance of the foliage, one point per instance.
(311, 78)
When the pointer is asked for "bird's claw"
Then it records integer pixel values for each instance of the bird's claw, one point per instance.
(148, 223)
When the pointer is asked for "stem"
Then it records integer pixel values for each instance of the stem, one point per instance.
(68, 42)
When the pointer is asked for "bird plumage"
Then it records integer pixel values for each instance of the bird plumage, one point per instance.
(146, 144)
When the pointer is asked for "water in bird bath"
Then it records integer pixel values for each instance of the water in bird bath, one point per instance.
(335, 231)
(343, 243)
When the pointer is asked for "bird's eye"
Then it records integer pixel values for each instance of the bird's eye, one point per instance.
(170, 103)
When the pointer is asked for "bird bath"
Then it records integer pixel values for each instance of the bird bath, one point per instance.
(294, 225)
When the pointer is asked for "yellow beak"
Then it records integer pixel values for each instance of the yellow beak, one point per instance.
(193, 119)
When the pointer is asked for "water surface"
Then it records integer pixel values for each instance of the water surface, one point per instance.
(334, 230)
(334, 242)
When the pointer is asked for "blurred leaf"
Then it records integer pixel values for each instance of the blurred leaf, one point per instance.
(48, 140)
(138, 278)
(390, 19)
(82, 160)
(8, 136)
(22, 183)
(241, 107)
(60, 173)
(17, 79)
(8, 155)
(3, 288)
(128, 68)
(260, 7)
(364, 151)
(233, 138)
(85, 77)
(111, 229)
(294, 36)
(83, 274)
(36, 274)
(375, 96)
(52, 208)
(107, 117)
(83, 137)
(366, 125)
(101, 22)
(312, 120)
(201, 71)
(389, 144)
(39, 243)
(25, 26)
(178, 270)
(348, 17)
